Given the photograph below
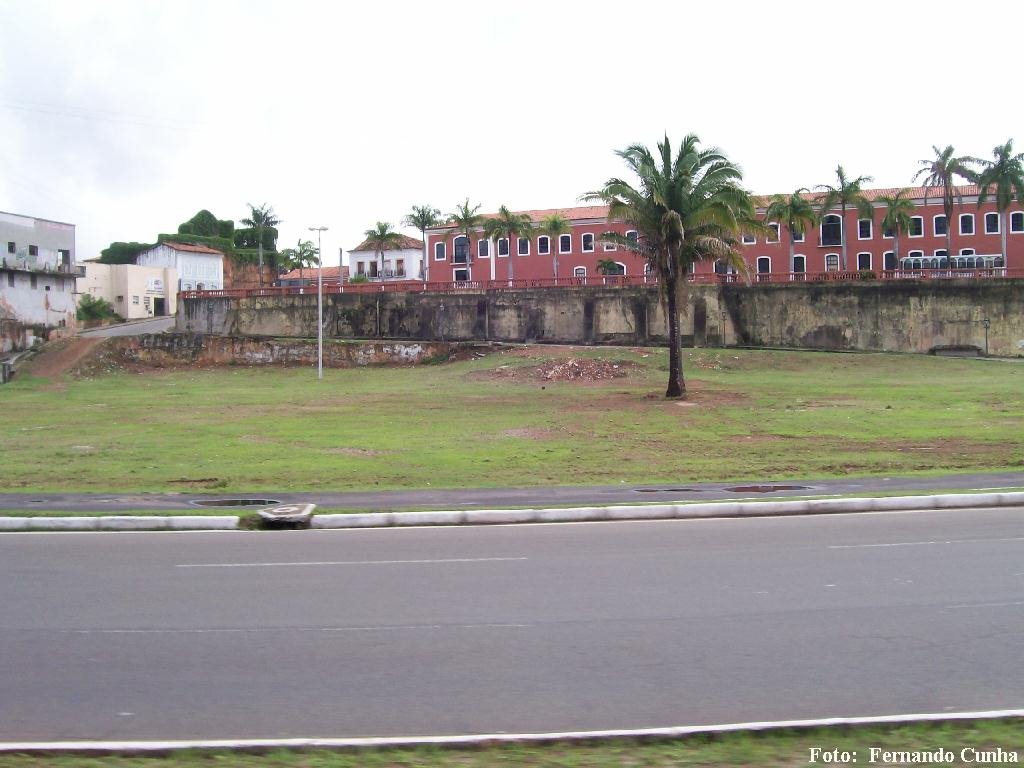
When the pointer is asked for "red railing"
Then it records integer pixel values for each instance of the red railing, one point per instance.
(605, 281)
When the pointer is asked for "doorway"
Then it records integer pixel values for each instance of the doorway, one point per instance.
(159, 307)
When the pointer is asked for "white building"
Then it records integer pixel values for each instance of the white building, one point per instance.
(134, 292)
(403, 261)
(199, 267)
(37, 276)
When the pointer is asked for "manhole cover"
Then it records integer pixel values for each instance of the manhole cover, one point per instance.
(667, 490)
(766, 488)
(236, 502)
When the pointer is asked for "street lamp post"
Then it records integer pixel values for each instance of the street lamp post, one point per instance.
(320, 303)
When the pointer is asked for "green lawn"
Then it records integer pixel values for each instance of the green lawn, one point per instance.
(492, 422)
(776, 748)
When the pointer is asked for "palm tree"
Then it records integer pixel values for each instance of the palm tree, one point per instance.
(466, 221)
(260, 219)
(383, 238)
(897, 210)
(1003, 179)
(510, 225)
(423, 217)
(847, 193)
(554, 226)
(796, 212)
(940, 171)
(685, 208)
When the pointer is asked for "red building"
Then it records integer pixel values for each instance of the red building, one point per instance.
(976, 240)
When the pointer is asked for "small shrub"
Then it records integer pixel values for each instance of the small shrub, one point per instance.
(867, 274)
(93, 309)
(358, 279)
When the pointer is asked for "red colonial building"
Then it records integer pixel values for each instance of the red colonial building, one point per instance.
(976, 241)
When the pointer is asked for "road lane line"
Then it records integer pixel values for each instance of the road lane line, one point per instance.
(921, 543)
(354, 562)
(989, 605)
(56, 747)
(248, 630)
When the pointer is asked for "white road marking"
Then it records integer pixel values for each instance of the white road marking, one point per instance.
(989, 605)
(487, 738)
(354, 562)
(922, 543)
(252, 630)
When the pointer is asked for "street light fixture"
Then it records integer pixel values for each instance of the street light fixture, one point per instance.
(319, 304)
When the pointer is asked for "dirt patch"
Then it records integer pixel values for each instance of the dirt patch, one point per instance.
(354, 451)
(574, 369)
(59, 357)
(529, 434)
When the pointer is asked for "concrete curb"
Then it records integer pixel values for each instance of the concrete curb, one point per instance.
(670, 511)
(122, 523)
(480, 740)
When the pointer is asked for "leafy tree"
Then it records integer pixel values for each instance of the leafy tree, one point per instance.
(510, 225)
(357, 279)
(941, 171)
(423, 217)
(554, 226)
(847, 193)
(686, 207)
(383, 238)
(261, 218)
(1002, 178)
(608, 267)
(123, 253)
(93, 308)
(466, 221)
(301, 256)
(896, 216)
(796, 213)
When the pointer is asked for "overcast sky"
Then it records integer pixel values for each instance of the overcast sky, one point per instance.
(125, 118)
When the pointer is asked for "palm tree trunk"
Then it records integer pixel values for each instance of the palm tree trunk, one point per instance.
(508, 267)
(842, 234)
(1002, 235)
(259, 250)
(676, 386)
(425, 267)
(792, 250)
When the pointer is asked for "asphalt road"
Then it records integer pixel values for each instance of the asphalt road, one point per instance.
(495, 498)
(530, 628)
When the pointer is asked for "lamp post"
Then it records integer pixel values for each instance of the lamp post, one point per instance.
(320, 303)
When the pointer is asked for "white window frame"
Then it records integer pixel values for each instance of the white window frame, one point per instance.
(871, 259)
(579, 271)
(967, 252)
(960, 223)
(871, 229)
(634, 233)
(985, 222)
(910, 229)
(462, 268)
(441, 246)
(547, 240)
(757, 265)
(937, 251)
(893, 254)
(749, 239)
(583, 242)
(607, 246)
(773, 226)
(832, 256)
(519, 246)
(561, 239)
(798, 237)
(915, 254)
(1020, 218)
(792, 266)
(821, 230)
(497, 247)
(935, 229)
(479, 252)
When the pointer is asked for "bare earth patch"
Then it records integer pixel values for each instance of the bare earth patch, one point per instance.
(529, 434)
(575, 369)
(346, 451)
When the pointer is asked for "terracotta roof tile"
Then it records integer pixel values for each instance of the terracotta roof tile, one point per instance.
(192, 248)
(330, 274)
(572, 214)
(405, 243)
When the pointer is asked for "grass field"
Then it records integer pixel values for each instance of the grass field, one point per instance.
(497, 421)
(776, 748)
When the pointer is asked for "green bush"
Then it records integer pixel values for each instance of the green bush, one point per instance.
(357, 279)
(248, 237)
(218, 243)
(93, 308)
(123, 253)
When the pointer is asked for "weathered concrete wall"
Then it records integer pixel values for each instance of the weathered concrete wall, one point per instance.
(160, 350)
(902, 316)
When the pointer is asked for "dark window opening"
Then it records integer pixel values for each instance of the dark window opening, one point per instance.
(831, 230)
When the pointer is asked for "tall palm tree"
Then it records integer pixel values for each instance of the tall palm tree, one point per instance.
(1002, 178)
(261, 219)
(383, 238)
(846, 193)
(686, 208)
(896, 212)
(940, 171)
(466, 221)
(510, 225)
(423, 217)
(554, 226)
(797, 214)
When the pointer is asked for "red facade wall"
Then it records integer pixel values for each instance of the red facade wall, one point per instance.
(537, 267)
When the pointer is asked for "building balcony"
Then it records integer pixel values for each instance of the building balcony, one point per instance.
(385, 274)
(22, 263)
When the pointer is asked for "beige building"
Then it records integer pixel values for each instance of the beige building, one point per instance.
(134, 292)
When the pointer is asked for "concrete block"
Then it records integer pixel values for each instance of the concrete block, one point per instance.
(13, 523)
(368, 520)
(202, 523)
(133, 523)
(646, 512)
(428, 518)
(63, 523)
(500, 516)
(572, 514)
